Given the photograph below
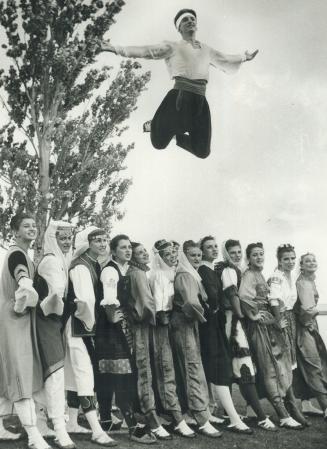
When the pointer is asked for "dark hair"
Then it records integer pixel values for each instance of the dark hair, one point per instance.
(231, 243)
(189, 244)
(17, 219)
(250, 247)
(205, 239)
(282, 249)
(115, 241)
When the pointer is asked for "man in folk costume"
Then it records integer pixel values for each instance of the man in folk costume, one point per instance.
(114, 343)
(21, 376)
(83, 291)
(184, 112)
(51, 283)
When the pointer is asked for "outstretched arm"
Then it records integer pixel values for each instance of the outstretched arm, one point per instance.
(229, 63)
(160, 51)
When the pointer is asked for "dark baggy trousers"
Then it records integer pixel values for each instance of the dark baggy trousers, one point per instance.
(183, 112)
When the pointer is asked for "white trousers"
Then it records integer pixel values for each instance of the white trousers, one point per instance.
(54, 389)
(78, 367)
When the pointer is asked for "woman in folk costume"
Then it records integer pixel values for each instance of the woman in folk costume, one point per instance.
(51, 284)
(283, 296)
(184, 112)
(20, 364)
(229, 273)
(114, 342)
(269, 349)
(84, 289)
(142, 316)
(311, 350)
(215, 350)
(186, 316)
(162, 277)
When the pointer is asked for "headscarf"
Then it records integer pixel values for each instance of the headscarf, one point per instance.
(51, 245)
(158, 264)
(184, 266)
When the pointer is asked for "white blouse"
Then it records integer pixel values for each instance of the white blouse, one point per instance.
(84, 292)
(283, 289)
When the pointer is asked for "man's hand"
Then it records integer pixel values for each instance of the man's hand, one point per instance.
(106, 46)
(249, 56)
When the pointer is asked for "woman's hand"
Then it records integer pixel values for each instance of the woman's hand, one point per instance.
(283, 323)
(114, 314)
(249, 56)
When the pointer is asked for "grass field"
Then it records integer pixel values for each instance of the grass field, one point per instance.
(314, 437)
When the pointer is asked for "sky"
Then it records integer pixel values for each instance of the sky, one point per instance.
(265, 179)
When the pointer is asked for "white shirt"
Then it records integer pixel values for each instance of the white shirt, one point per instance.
(84, 292)
(182, 59)
(109, 278)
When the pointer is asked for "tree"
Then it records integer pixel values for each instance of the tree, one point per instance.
(70, 159)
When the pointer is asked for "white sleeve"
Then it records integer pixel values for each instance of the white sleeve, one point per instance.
(158, 291)
(229, 278)
(109, 278)
(160, 51)
(226, 63)
(275, 293)
(56, 279)
(84, 292)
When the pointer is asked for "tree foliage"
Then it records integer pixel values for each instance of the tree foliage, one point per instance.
(71, 156)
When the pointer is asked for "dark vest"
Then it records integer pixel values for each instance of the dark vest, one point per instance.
(123, 295)
(78, 328)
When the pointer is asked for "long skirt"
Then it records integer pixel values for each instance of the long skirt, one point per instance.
(50, 340)
(312, 358)
(290, 335)
(215, 351)
(243, 367)
(272, 360)
(191, 115)
(20, 364)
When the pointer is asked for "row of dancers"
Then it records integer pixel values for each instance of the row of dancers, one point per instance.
(83, 328)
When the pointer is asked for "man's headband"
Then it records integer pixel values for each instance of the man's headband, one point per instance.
(95, 234)
(181, 14)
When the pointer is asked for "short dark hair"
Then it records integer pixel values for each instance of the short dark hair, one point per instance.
(205, 239)
(230, 243)
(17, 219)
(189, 244)
(115, 241)
(250, 247)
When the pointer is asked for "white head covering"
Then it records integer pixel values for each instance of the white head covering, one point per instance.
(51, 245)
(185, 266)
(82, 242)
(158, 264)
(241, 265)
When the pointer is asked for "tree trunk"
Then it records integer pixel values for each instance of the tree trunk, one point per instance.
(44, 186)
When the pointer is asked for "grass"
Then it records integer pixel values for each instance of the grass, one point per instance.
(314, 437)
